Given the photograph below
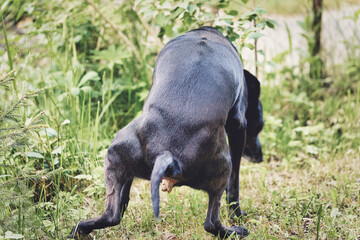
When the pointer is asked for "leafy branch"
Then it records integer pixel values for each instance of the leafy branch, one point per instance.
(13, 129)
(116, 29)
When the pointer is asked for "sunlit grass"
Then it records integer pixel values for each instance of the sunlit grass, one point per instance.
(282, 202)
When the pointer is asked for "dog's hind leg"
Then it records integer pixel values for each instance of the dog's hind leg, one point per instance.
(212, 223)
(236, 132)
(117, 192)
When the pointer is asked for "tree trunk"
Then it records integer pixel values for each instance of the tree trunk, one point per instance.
(317, 65)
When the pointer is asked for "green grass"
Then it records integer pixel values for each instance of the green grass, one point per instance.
(282, 201)
(75, 85)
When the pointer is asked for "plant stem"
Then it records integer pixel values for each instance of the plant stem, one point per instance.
(319, 213)
(19, 219)
(9, 55)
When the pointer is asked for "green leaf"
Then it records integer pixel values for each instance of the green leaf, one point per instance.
(260, 11)
(160, 19)
(272, 237)
(250, 46)
(273, 121)
(191, 8)
(169, 30)
(335, 212)
(143, 95)
(233, 13)
(86, 88)
(77, 38)
(61, 97)
(311, 149)
(4, 5)
(188, 19)
(280, 58)
(249, 16)
(66, 121)
(11, 235)
(75, 91)
(150, 12)
(356, 15)
(34, 155)
(302, 25)
(175, 13)
(256, 222)
(56, 150)
(84, 176)
(183, 4)
(224, 4)
(29, 8)
(94, 76)
(261, 52)
(166, 5)
(310, 130)
(112, 55)
(295, 144)
(272, 64)
(270, 23)
(20, 13)
(50, 132)
(256, 35)
(137, 2)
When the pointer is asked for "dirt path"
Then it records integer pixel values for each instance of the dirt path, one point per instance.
(337, 33)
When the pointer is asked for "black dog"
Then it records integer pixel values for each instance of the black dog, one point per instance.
(199, 94)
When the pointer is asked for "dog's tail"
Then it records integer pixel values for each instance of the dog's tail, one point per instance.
(165, 165)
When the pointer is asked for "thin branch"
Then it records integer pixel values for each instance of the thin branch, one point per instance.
(116, 29)
(159, 44)
(7, 74)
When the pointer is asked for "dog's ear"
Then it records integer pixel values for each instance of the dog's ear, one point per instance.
(253, 85)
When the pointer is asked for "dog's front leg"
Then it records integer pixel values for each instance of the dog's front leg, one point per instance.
(117, 192)
(212, 223)
(236, 131)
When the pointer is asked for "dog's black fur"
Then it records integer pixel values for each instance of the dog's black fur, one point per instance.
(200, 94)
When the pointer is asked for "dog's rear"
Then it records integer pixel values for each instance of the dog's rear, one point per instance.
(197, 79)
(198, 95)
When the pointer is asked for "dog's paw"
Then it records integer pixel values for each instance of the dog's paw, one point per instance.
(74, 233)
(234, 231)
(235, 212)
(77, 233)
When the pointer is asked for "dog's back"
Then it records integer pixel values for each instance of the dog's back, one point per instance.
(199, 79)
(196, 81)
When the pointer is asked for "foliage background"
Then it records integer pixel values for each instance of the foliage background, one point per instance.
(74, 72)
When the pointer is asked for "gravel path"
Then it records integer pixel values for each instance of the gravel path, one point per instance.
(336, 31)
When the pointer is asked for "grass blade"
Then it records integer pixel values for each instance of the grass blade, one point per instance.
(9, 55)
